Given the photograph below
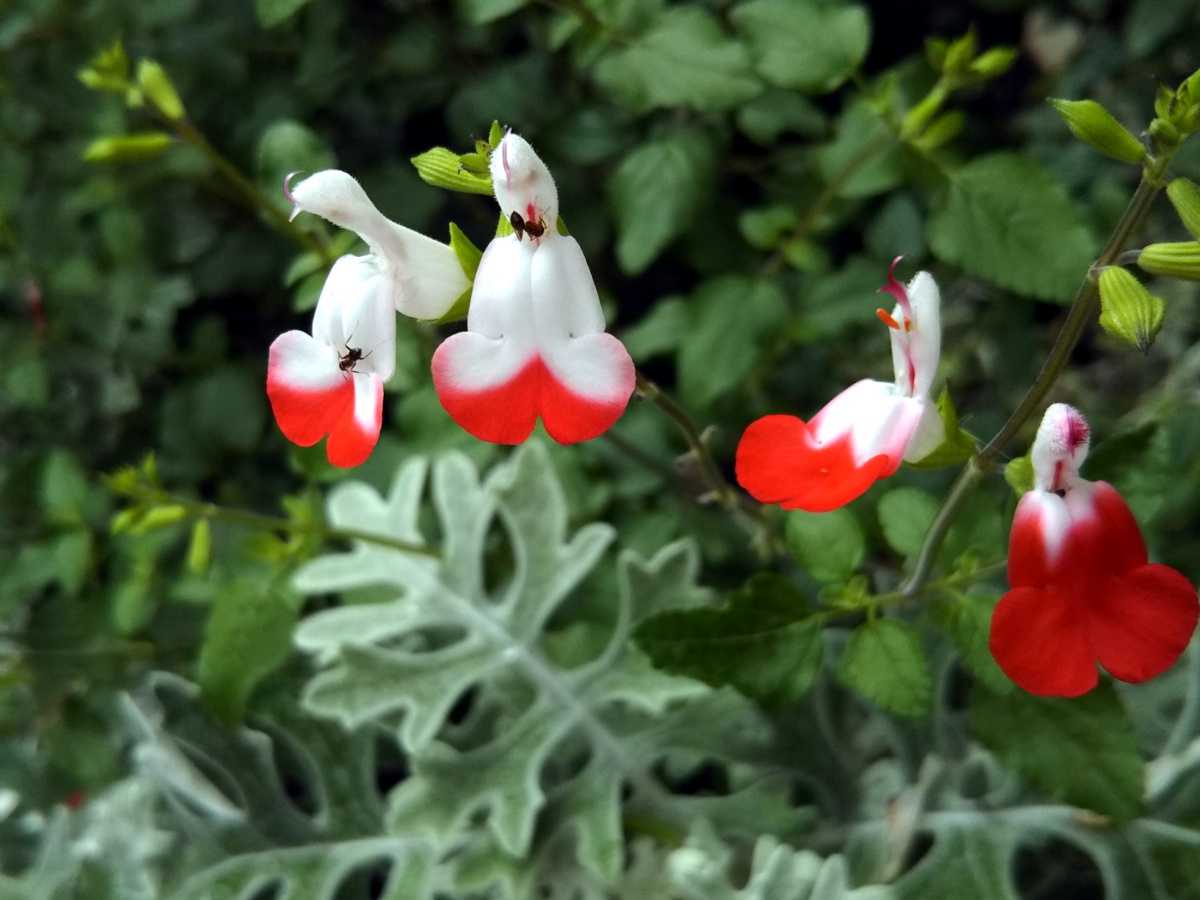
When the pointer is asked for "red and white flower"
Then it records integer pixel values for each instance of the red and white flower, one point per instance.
(535, 344)
(866, 431)
(1082, 591)
(330, 383)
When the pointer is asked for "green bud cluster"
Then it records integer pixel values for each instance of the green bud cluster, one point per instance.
(959, 66)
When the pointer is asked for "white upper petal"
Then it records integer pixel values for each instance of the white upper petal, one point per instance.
(501, 314)
(565, 301)
(1060, 447)
(426, 277)
(878, 417)
(922, 344)
(354, 311)
(1057, 515)
(521, 180)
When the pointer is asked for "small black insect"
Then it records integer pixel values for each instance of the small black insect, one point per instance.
(352, 357)
(535, 229)
(517, 223)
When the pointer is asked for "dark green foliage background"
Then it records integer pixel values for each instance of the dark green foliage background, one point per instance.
(161, 292)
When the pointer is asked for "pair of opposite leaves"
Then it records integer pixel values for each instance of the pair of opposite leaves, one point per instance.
(535, 346)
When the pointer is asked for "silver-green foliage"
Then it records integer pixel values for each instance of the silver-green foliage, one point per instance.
(557, 730)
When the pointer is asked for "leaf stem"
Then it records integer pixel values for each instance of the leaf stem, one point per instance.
(249, 193)
(1081, 314)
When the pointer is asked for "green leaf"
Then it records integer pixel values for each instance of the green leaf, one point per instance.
(905, 515)
(967, 618)
(482, 12)
(765, 226)
(248, 636)
(958, 445)
(128, 147)
(863, 159)
(1081, 750)
(656, 192)
(275, 12)
(828, 546)
(682, 59)
(764, 641)
(1096, 127)
(729, 317)
(64, 489)
(1128, 311)
(804, 45)
(884, 662)
(776, 112)
(661, 331)
(1019, 474)
(108, 70)
(1007, 220)
(443, 168)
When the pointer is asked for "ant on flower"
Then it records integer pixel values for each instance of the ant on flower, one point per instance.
(521, 227)
(352, 357)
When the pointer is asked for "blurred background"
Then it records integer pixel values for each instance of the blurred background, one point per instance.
(738, 214)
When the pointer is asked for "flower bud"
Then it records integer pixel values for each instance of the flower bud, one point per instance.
(1096, 127)
(127, 147)
(1177, 260)
(994, 62)
(1127, 310)
(155, 84)
(1185, 197)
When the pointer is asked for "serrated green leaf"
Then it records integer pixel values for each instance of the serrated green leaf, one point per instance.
(863, 159)
(656, 192)
(248, 636)
(682, 59)
(804, 45)
(777, 112)
(765, 226)
(1006, 219)
(885, 663)
(443, 168)
(828, 546)
(729, 316)
(1081, 750)
(764, 641)
(967, 618)
(905, 515)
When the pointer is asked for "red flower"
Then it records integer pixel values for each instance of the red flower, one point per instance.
(1083, 592)
(535, 345)
(866, 431)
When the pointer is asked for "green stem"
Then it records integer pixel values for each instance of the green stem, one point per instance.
(747, 514)
(1081, 314)
(198, 509)
(248, 191)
